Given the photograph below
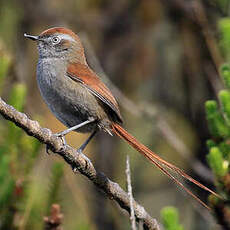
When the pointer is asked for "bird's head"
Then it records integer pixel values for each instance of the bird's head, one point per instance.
(59, 42)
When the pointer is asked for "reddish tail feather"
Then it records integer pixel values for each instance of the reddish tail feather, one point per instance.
(160, 163)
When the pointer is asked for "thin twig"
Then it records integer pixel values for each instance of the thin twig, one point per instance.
(130, 193)
(77, 162)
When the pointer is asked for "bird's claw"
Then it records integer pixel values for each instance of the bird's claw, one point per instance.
(64, 144)
(62, 138)
(47, 150)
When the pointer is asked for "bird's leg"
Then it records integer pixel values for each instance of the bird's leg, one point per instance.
(82, 147)
(63, 133)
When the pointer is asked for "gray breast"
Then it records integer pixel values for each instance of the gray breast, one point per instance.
(68, 100)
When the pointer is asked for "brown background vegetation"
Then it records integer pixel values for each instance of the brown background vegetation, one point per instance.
(161, 55)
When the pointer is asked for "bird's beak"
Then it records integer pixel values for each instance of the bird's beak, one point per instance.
(34, 38)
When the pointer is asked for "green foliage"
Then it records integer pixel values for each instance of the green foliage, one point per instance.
(9, 161)
(224, 28)
(224, 97)
(6, 182)
(33, 205)
(18, 153)
(17, 100)
(225, 74)
(10, 18)
(19, 195)
(216, 122)
(57, 172)
(30, 147)
(5, 62)
(17, 96)
(225, 150)
(218, 118)
(210, 143)
(224, 5)
(216, 162)
(170, 219)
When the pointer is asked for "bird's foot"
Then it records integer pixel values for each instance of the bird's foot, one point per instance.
(64, 143)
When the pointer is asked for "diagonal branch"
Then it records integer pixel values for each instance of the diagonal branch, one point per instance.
(77, 162)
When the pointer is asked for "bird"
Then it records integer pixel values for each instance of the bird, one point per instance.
(78, 98)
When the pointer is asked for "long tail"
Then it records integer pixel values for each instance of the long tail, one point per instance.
(160, 163)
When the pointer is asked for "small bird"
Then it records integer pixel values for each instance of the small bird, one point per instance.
(82, 102)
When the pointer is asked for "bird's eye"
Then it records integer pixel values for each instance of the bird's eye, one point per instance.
(55, 40)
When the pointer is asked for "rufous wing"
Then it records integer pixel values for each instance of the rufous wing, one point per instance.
(83, 74)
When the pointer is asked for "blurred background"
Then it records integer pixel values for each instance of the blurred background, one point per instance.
(162, 59)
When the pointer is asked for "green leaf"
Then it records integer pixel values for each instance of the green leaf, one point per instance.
(216, 162)
(225, 150)
(170, 218)
(224, 28)
(18, 96)
(224, 97)
(6, 181)
(216, 122)
(17, 100)
(5, 62)
(225, 74)
(210, 143)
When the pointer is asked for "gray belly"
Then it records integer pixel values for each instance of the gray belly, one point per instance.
(69, 101)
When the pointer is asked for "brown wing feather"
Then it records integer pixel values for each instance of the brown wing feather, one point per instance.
(83, 74)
